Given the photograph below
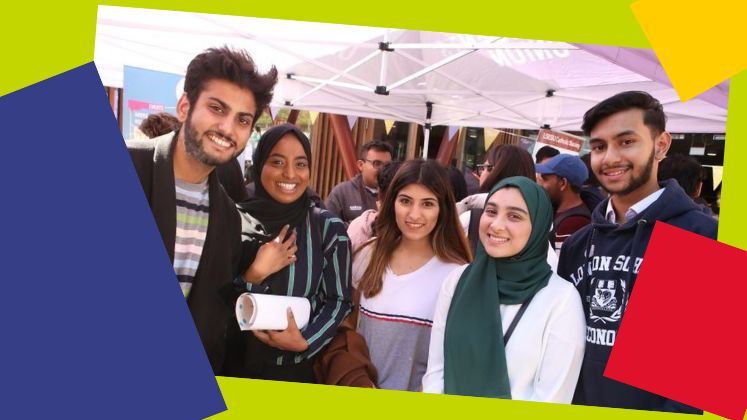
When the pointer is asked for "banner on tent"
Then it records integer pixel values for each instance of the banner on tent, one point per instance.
(564, 142)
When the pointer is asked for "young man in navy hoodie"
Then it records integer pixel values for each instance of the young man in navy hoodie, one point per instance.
(628, 139)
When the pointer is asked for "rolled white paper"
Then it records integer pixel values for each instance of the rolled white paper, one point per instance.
(256, 311)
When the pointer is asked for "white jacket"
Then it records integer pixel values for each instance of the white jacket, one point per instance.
(543, 355)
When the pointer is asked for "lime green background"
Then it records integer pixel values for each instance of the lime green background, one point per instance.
(42, 39)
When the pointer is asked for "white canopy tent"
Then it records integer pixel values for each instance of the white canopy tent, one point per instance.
(422, 77)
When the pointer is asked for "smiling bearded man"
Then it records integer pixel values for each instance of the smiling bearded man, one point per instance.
(199, 224)
(628, 139)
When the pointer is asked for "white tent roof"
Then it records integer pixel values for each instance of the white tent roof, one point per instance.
(468, 80)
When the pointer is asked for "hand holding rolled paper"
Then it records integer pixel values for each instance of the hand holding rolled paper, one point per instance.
(289, 339)
(268, 312)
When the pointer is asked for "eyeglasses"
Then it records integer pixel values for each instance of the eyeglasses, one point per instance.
(376, 163)
(484, 167)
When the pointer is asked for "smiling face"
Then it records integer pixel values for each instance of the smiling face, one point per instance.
(505, 225)
(218, 125)
(416, 211)
(285, 174)
(625, 154)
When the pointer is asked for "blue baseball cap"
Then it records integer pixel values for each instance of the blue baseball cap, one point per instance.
(567, 166)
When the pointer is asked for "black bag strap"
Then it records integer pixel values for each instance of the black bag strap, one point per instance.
(515, 321)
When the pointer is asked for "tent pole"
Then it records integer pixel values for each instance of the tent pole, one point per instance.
(448, 145)
(343, 136)
(335, 77)
(427, 128)
(430, 68)
(383, 47)
(426, 140)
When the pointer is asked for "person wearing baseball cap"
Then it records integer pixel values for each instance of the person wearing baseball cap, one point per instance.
(562, 178)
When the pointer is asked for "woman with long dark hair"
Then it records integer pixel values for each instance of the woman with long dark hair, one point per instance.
(318, 270)
(507, 326)
(501, 161)
(399, 273)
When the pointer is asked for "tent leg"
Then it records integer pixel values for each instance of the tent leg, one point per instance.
(446, 150)
(426, 140)
(293, 116)
(343, 137)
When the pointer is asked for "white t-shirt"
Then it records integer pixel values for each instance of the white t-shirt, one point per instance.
(543, 355)
(396, 323)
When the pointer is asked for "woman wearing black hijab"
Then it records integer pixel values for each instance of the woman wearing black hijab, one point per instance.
(319, 270)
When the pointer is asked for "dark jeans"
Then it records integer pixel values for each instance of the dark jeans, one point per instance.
(301, 372)
(247, 357)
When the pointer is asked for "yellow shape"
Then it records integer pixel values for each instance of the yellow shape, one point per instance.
(313, 115)
(250, 399)
(489, 137)
(698, 43)
(388, 124)
(718, 175)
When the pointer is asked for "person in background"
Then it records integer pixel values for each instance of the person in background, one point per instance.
(502, 161)
(472, 179)
(158, 124)
(546, 153)
(562, 177)
(349, 199)
(688, 173)
(457, 182)
(592, 192)
(399, 273)
(362, 228)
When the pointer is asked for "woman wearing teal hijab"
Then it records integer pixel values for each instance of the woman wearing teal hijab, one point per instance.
(508, 282)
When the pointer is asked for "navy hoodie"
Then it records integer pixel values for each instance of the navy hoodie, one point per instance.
(602, 260)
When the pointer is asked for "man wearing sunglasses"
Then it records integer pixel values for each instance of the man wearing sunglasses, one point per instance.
(349, 199)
